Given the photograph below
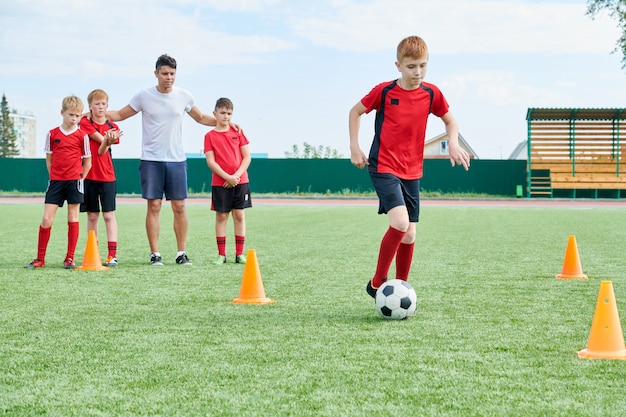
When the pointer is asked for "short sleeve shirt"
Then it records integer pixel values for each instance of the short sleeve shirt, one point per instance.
(68, 150)
(226, 147)
(101, 165)
(162, 122)
(400, 126)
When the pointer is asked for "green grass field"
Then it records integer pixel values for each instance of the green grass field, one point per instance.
(496, 334)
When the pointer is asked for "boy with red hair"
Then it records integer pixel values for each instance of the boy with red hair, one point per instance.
(397, 153)
(101, 184)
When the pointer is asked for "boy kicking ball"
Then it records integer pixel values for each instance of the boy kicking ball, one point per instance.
(397, 152)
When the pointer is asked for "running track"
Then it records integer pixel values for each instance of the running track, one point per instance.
(285, 201)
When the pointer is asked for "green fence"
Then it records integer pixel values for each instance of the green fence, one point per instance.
(495, 177)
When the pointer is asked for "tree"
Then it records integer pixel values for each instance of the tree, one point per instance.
(8, 139)
(312, 152)
(616, 10)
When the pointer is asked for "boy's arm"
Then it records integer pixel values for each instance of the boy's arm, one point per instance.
(86, 166)
(121, 114)
(245, 162)
(48, 161)
(357, 156)
(231, 181)
(111, 137)
(458, 155)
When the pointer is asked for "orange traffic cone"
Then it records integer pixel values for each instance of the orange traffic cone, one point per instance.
(91, 260)
(606, 340)
(572, 269)
(252, 291)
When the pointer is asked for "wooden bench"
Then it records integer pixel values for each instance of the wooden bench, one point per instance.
(571, 154)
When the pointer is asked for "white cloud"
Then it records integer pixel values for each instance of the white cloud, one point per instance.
(89, 37)
(461, 26)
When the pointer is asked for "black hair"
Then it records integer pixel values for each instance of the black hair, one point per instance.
(165, 61)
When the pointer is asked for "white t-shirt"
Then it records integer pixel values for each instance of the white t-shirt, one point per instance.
(162, 122)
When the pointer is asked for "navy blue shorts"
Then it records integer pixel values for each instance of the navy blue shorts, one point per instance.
(158, 178)
(393, 192)
(60, 191)
(226, 199)
(99, 193)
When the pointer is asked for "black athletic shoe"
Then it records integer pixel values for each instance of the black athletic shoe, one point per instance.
(155, 260)
(183, 260)
(371, 291)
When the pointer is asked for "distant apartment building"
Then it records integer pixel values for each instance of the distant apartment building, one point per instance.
(25, 128)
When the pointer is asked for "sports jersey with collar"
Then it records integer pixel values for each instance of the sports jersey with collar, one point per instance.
(101, 165)
(400, 126)
(162, 122)
(226, 147)
(68, 150)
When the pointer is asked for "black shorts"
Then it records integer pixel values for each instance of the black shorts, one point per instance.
(393, 192)
(60, 191)
(99, 193)
(226, 199)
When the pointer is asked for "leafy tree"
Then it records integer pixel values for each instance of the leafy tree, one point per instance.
(311, 152)
(616, 10)
(8, 139)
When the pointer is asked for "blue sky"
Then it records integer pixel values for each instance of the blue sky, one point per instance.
(294, 68)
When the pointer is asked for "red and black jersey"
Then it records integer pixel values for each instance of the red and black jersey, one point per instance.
(226, 147)
(400, 127)
(68, 150)
(101, 165)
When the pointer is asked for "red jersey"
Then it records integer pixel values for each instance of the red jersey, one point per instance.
(101, 165)
(400, 127)
(68, 150)
(226, 147)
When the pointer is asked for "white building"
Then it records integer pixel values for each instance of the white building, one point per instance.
(25, 128)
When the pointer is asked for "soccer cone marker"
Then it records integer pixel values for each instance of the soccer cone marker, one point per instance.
(606, 340)
(572, 268)
(252, 291)
(91, 259)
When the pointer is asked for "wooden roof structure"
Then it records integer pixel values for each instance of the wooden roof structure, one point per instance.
(576, 148)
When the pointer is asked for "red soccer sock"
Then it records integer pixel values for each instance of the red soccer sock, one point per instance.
(404, 258)
(72, 238)
(388, 248)
(239, 244)
(221, 245)
(42, 242)
(112, 247)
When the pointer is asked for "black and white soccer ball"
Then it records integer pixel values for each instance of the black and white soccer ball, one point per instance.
(396, 300)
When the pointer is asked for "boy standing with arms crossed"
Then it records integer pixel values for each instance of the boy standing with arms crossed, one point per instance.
(228, 157)
(100, 184)
(397, 153)
(68, 160)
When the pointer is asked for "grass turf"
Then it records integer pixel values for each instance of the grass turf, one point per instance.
(495, 333)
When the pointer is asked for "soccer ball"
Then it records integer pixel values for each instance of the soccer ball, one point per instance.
(396, 300)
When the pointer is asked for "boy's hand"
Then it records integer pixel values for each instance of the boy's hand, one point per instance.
(458, 156)
(231, 181)
(358, 158)
(113, 136)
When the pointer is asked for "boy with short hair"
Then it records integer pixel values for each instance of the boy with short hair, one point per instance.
(228, 157)
(397, 152)
(68, 159)
(100, 184)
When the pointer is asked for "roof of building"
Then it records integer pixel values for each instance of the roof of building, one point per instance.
(462, 141)
(575, 114)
